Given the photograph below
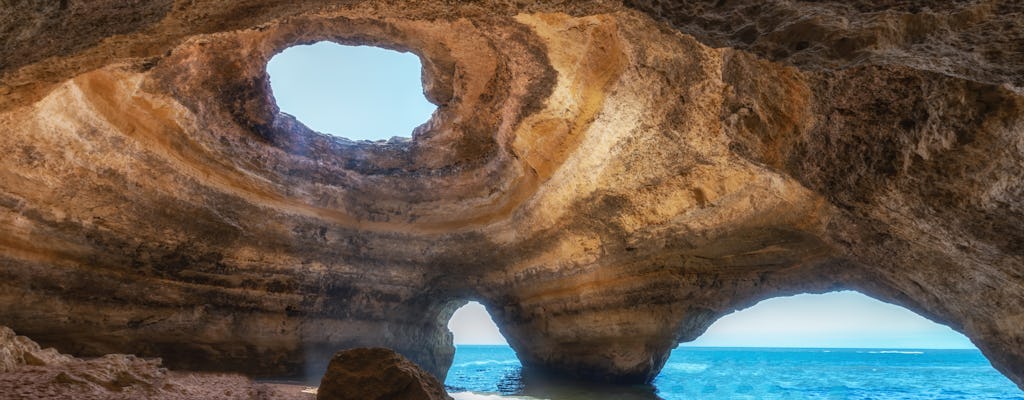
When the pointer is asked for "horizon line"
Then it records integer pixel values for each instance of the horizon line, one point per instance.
(682, 345)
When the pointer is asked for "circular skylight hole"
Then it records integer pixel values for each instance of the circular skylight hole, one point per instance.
(356, 92)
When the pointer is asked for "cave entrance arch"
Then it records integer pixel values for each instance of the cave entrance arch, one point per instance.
(355, 92)
(841, 344)
(483, 360)
(485, 366)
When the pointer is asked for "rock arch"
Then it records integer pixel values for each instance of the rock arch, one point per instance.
(597, 177)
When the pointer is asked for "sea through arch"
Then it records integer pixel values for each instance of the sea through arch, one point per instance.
(833, 345)
(839, 344)
(484, 362)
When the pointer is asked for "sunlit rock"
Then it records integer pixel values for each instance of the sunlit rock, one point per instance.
(605, 183)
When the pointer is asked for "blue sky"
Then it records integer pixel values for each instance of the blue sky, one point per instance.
(357, 92)
(371, 93)
(839, 320)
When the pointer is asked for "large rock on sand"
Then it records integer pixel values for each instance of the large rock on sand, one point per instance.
(377, 374)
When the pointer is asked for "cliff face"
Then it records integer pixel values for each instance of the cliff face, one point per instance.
(606, 183)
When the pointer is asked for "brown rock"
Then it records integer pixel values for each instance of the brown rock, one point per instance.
(28, 373)
(16, 351)
(377, 374)
(605, 183)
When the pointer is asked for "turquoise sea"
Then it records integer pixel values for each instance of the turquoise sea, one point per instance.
(494, 372)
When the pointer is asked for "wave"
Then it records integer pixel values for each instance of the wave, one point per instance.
(481, 396)
(486, 362)
(895, 352)
(689, 368)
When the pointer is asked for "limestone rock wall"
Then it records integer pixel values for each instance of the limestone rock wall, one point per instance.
(606, 183)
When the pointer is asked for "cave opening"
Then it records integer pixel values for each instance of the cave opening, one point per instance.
(483, 361)
(839, 344)
(355, 92)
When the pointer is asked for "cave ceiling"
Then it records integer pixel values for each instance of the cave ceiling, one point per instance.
(608, 178)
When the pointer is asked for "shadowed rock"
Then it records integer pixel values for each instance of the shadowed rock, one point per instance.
(605, 183)
(28, 372)
(377, 374)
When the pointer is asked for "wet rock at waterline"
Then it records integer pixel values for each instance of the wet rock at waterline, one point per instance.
(605, 183)
(377, 374)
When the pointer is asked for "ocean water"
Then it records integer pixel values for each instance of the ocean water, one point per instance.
(494, 372)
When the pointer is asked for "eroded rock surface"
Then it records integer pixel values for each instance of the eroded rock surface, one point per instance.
(16, 351)
(30, 373)
(377, 374)
(606, 183)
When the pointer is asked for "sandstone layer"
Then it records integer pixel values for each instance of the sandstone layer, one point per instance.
(607, 178)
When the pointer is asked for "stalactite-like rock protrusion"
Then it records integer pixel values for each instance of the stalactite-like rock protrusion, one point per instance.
(606, 183)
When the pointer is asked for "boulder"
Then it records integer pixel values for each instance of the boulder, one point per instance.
(377, 374)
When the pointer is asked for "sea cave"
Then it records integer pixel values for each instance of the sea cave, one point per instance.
(607, 178)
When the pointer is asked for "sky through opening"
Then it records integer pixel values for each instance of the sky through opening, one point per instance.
(471, 324)
(356, 92)
(833, 320)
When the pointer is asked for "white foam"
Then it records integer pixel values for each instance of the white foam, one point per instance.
(486, 362)
(480, 396)
(895, 352)
(689, 368)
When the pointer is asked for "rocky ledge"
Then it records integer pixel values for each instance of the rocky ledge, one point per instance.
(31, 373)
(607, 178)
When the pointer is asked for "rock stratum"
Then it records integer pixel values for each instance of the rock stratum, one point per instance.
(607, 178)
